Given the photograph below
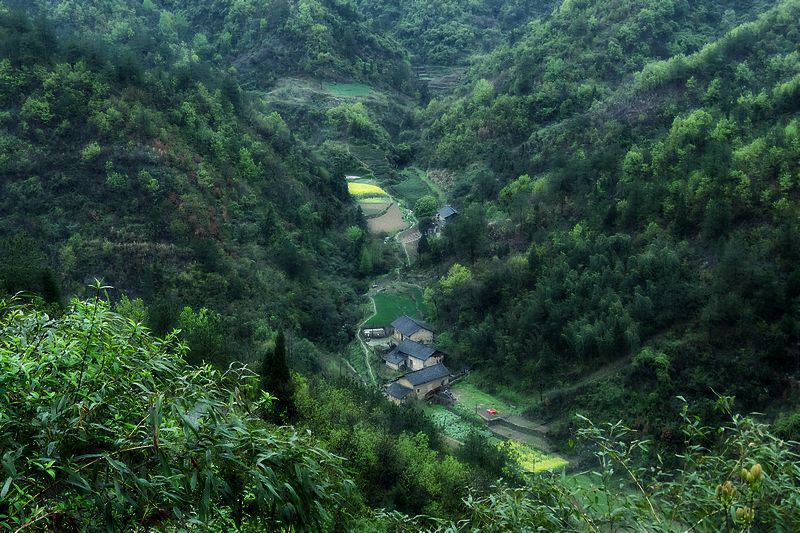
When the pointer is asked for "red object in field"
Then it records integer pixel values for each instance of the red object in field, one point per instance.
(492, 411)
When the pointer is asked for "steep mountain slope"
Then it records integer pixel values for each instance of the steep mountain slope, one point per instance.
(171, 188)
(656, 216)
(583, 53)
(262, 40)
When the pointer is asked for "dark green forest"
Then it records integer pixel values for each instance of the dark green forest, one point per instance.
(183, 271)
(652, 217)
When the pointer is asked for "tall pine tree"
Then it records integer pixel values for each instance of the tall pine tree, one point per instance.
(277, 380)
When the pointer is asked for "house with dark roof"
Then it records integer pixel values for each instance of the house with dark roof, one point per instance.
(420, 384)
(394, 360)
(407, 328)
(445, 215)
(397, 393)
(412, 355)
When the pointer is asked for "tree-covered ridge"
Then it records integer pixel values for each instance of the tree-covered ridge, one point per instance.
(658, 222)
(566, 65)
(174, 188)
(105, 427)
(448, 32)
(261, 39)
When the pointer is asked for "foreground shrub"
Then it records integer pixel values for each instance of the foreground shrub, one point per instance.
(104, 427)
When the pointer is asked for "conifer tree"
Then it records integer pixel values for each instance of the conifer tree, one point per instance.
(277, 380)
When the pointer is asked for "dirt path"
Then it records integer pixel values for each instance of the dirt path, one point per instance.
(408, 238)
(597, 375)
(364, 346)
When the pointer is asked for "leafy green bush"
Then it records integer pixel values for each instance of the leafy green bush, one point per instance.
(104, 426)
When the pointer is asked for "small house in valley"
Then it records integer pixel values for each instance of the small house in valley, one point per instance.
(420, 384)
(407, 328)
(412, 355)
(445, 215)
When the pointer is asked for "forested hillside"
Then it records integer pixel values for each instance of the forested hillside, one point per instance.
(624, 206)
(188, 245)
(174, 189)
(258, 40)
(104, 425)
(448, 32)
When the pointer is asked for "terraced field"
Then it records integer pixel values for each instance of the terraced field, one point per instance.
(390, 222)
(473, 397)
(359, 189)
(374, 209)
(415, 185)
(348, 90)
(373, 160)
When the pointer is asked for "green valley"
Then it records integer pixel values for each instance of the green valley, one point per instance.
(372, 266)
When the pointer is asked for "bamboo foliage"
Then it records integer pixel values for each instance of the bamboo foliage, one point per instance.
(104, 426)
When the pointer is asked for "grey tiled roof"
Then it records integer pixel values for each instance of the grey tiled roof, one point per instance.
(395, 390)
(408, 326)
(415, 350)
(447, 211)
(394, 358)
(426, 375)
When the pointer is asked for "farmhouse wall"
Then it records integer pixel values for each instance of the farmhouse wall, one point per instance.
(421, 391)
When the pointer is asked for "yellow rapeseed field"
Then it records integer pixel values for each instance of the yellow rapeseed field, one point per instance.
(363, 189)
(532, 460)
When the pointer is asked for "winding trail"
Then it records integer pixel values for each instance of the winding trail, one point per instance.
(599, 374)
(364, 346)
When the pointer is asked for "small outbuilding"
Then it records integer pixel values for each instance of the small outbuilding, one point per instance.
(445, 215)
(397, 393)
(375, 333)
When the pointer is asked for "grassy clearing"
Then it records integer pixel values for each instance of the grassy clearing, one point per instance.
(395, 303)
(348, 90)
(531, 460)
(365, 189)
(470, 395)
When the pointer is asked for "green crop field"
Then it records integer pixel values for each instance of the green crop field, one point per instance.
(413, 187)
(348, 90)
(452, 424)
(470, 395)
(395, 303)
(530, 459)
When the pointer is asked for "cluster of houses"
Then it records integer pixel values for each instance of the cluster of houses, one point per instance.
(412, 351)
